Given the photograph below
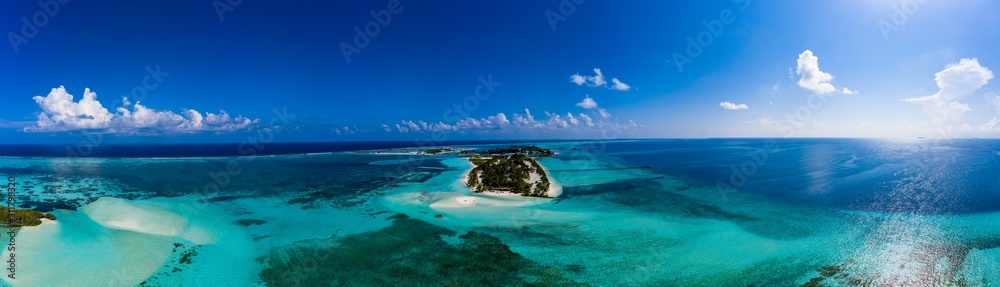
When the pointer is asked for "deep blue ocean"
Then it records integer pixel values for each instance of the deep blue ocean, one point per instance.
(907, 176)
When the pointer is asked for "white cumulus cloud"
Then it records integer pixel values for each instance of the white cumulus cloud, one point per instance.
(590, 104)
(604, 113)
(847, 91)
(585, 119)
(618, 85)
(956, 81)
(732, 106)
(598, 80)
(587, 103)
(61, 113)
(811, 77)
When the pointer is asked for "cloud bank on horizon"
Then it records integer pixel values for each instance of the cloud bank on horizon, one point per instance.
(60, 113)
(598, 119)
(525, 122)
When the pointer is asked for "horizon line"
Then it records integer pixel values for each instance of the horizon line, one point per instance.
(501, 140)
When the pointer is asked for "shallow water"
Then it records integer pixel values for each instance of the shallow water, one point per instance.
(632, 213)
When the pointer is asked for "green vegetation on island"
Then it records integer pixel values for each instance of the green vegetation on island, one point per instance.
(22, 217)
(510, 170)
(532, 151)
(413, 151)
(439, 150)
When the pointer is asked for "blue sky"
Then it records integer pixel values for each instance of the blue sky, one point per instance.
(764, 69)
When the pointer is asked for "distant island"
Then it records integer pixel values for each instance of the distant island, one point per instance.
(509, 171)
(531, 151)
(23, 217)
(414, 151)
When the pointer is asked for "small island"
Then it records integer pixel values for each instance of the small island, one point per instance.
(531, 151)
(413, 151)
(509, 171)
(22, 217)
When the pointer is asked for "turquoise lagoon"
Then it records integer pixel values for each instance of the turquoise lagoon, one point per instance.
(754, 212)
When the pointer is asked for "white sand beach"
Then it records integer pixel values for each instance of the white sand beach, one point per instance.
(555, 189)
